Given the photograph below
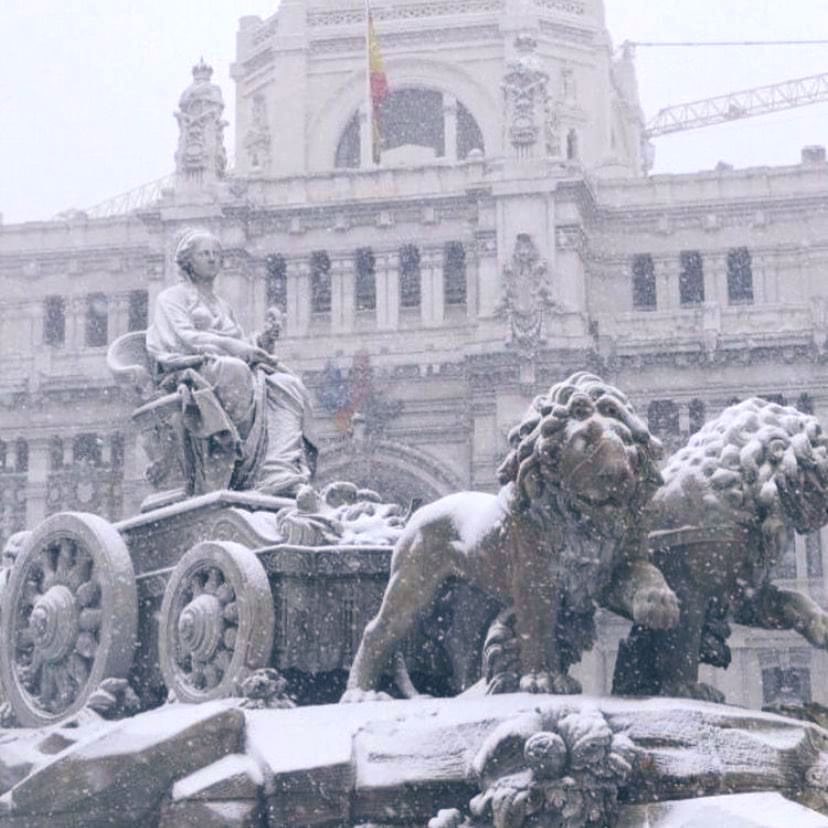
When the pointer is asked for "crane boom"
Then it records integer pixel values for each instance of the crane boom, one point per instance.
(746, 104)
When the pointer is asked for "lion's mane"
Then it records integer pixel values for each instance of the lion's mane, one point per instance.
(758, 461)
(534, 443)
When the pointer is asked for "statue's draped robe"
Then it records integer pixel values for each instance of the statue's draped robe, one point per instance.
(266, 413)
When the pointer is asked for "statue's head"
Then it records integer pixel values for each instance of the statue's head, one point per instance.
(199, 255)
(583, 446)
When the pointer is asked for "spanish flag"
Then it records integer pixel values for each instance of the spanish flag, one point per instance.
(377, 85)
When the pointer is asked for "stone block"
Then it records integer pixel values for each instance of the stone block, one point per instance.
(203, 814)
(749, 810)
(134, 763)
(235, 777)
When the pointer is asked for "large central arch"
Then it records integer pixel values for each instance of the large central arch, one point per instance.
(329, 123)
(399, 473)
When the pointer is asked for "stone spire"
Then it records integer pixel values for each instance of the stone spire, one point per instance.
(201, 157)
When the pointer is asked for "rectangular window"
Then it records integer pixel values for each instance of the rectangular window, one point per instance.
(320, 282)
(785, 566)
(88, 449)
(54, 321)
(97, 320)
(276, 282)
(691, 278)
(366, 280)
(644, 282)
(138, 310)
(409, 276)
(739, 276)
(454, 273)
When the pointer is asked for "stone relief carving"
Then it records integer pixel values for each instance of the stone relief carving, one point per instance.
(526, 300)
(257, 142)
(561, 768)
(410, 11)
(525, 90)
(201, 153)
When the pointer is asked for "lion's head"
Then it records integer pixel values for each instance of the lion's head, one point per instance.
(582, 447)
(757, 463)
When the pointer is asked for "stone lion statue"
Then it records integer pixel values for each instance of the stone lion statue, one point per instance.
(720, 523)
(562, 533)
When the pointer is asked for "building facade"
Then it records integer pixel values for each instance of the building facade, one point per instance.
(508, 236)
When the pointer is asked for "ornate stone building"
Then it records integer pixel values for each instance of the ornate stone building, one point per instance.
(508, 236)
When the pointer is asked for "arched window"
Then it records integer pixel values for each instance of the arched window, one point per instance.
(415, 118)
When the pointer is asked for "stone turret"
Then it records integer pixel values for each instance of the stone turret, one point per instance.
(201, 158)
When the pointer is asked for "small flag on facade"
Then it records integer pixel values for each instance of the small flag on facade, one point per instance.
(377, 85)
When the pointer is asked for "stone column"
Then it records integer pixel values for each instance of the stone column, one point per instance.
(347, 287)
(450, 126)
(36, 485)
(76, 323)
(433, 295)
(298, 297)
(388, 291)
(118, 315)
(488, 278)
(667, 279)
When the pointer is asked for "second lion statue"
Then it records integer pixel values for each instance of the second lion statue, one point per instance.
(562, 534)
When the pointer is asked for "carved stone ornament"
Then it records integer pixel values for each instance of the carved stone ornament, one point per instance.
(526, 299)
(525, 90)
(554, 768)
(257, 142)
(201, 152)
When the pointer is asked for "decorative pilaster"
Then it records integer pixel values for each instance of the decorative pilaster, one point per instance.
(525, 90)
(450, 126)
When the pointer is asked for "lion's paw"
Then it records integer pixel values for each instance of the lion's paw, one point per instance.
(816, 631)
(656, 608)
(558, 684)
(358, 696)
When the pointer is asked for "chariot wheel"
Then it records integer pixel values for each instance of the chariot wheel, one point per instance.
(217, 621)
(69, 617)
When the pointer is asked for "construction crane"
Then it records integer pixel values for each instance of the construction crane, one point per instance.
(748, 103)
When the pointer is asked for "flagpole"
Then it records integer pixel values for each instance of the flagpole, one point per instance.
(369, 125)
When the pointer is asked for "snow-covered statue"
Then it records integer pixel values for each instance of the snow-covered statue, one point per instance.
(563, 533)
(201, 156)
(238, 401)
(731, 497)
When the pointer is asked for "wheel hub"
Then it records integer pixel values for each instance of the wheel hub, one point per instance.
(200, 627)
(54, 623)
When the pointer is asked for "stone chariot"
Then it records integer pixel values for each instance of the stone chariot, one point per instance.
(188, 597)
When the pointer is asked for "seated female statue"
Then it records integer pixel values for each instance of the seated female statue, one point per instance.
(237, 397)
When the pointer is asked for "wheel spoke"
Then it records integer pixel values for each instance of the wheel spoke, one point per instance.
(196, 586)
(222, 660)
(211, 676)
(48, 686)
(65, 559)
(24, 638)
(88, 593)
(30, 592)
(230, 638)
(86, 645)
(225, 593)
(78, 670)
(65, 693)
(90, 619)
(213, 581)
(79, 574)
(231, 612)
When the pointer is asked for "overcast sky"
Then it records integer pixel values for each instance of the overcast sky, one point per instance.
(88, 87)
